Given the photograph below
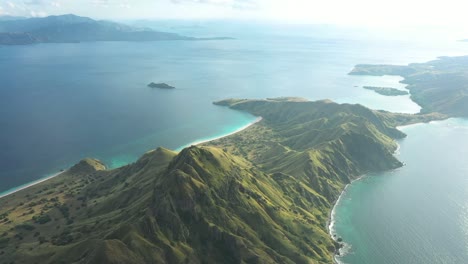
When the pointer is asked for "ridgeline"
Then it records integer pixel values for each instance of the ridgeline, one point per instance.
(262, 195)
(73, 29)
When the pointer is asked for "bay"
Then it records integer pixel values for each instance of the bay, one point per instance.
(60, 103)
(416, 214)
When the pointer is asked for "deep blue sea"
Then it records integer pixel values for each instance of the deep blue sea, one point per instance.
(60, 103)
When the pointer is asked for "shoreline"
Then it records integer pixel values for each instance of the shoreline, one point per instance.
(331, 221)
(27, 185)
(198, 142)
(331, 218)
(202, 141)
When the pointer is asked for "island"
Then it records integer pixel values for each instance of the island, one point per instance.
(17, 39)
(73, 29)
(437, 86)
(262, 195)
(387, 91)
(160, 85)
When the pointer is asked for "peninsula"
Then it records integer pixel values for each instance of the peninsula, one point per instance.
(17, 39)
(387, 91)
(437, 86)
(262, 195)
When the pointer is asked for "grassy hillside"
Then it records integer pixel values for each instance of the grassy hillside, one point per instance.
(260, 196)
(438, 86)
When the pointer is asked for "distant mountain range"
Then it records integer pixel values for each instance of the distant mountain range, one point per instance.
(8, 18)
(72, 28)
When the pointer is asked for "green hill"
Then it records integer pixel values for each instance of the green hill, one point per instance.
(263, 195)
(438, 86)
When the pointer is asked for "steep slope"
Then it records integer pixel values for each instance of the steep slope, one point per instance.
(260, 196)
(68, 218)
(228, 212)
(321, 143)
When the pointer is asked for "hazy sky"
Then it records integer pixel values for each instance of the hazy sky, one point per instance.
(356, 12)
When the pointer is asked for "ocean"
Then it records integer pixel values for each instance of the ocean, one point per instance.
(417, 214)
(60, 103)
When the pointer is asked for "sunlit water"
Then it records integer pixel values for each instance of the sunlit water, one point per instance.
(417, 214)
(62, 102)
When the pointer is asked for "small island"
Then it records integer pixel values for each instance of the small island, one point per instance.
(160, 85)
(387, 91)
(437, 86)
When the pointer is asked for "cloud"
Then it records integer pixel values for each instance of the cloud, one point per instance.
(40, 2)
(110, 3)
(101, 2)
(32, 8)
(125, 5)
(237, 4)
(356, 12)
(38, 13)
(34, 2)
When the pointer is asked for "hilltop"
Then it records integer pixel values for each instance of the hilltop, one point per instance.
(263, 195)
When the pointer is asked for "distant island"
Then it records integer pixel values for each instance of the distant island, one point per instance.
(387, 91)
(17, 39)
(72, 29)
(160, 85)
(437, 86)
(6, 17)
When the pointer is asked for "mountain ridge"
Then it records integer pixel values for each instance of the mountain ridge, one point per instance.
(71, 29)
(262, 195)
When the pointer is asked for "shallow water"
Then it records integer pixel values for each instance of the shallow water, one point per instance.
(62, 102)
(416, 214)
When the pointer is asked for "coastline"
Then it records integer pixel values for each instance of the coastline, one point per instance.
(202, 141)
(331, 222)
(27, 185)
(331, 218)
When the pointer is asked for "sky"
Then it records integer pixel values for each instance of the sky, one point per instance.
(349, 12)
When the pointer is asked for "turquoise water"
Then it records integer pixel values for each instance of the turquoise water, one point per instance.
(417, 214)
(62, 102)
